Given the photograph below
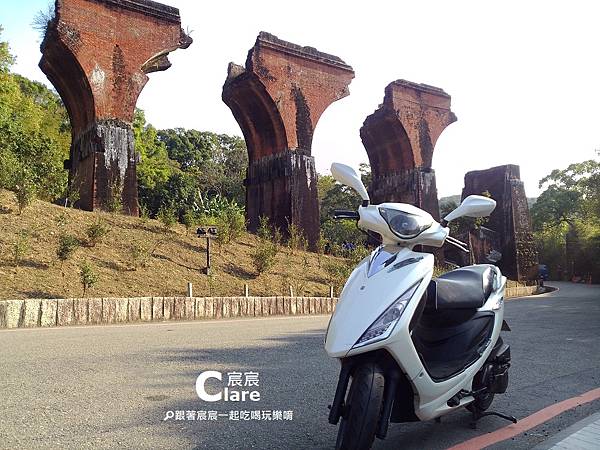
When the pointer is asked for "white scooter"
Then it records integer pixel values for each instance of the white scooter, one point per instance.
(412, 348)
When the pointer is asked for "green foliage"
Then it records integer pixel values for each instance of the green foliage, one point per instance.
(267, 247)
(114, 202)
(231, 224)
(67, 244)
(339, 231)
(566, 221)
(87, 276)
(167, 217)
(296, 239)
(320, 247)
(190, 220)
(24, 189)
(34, 133)
(96, 231)
(20, 247)
(139, 255)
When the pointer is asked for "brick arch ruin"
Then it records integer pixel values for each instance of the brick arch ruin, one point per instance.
(400, 137)
(97, 54)
(277, 100)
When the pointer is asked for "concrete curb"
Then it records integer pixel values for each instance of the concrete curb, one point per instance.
(93, 311)
(32, 313)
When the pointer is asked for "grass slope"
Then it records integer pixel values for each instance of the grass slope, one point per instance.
(178, 258)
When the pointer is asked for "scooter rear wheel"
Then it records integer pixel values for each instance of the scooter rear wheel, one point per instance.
(362, 409)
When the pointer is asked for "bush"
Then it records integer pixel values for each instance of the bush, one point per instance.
(67, 244)
(320, 245)
(87, 276)
(114, 202)
(189, 220)
(139, 255)
(167, 217)
(20, 247)
(24, 192)
(267, 247)
(297, 240)
(96, 231)
(229, 219)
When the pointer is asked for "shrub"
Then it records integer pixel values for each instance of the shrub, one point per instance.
(20, 246)
(87, 276)
(96, 231)
(297, 240)
(267, 247)
(189, 220)
(167, 217)
(114, 202)
(144, 213)
(227, 216)
(61, 220)
(67, 244)
(25, 191)
(139, 255)
(320, 247)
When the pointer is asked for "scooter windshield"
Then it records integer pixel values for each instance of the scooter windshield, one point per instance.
(381, 259)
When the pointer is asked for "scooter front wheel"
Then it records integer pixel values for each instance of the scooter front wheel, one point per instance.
(362, 409)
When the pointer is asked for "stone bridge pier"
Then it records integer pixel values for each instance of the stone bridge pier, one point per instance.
(97, 54)
(277, 99)
(510, 220)
(400, 137)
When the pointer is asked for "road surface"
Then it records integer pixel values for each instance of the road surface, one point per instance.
(112, 386)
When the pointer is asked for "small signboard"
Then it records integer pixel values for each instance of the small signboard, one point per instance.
(209, 232)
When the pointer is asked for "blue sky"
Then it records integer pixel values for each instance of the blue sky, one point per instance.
(523, 76)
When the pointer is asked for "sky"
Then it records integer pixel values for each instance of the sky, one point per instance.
(524, 76)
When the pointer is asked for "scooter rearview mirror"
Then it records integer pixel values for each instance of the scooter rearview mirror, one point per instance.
(473, 206)
(348, 176)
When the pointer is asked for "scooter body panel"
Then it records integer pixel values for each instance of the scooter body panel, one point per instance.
(364, 298)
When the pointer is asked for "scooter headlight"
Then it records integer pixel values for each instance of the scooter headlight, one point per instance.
(385, 323)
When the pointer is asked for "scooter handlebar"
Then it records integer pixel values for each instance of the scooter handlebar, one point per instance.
(340, 214)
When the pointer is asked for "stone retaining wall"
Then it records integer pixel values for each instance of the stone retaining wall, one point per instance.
(83, 311)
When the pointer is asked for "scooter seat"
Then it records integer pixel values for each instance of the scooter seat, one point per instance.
(465, 288)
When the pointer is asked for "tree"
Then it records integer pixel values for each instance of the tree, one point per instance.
(34, 132)
(566, 220)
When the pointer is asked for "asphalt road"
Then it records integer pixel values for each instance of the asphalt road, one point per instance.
(111, 386)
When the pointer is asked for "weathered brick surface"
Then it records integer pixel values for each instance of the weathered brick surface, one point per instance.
(277, 99)
(97, 54)
(510, 219)
(400, 138)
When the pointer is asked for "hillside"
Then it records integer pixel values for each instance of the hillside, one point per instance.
(174, 258)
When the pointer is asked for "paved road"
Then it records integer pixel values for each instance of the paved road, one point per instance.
(110, 387)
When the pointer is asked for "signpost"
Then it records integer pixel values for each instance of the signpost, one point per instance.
(209, 233)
